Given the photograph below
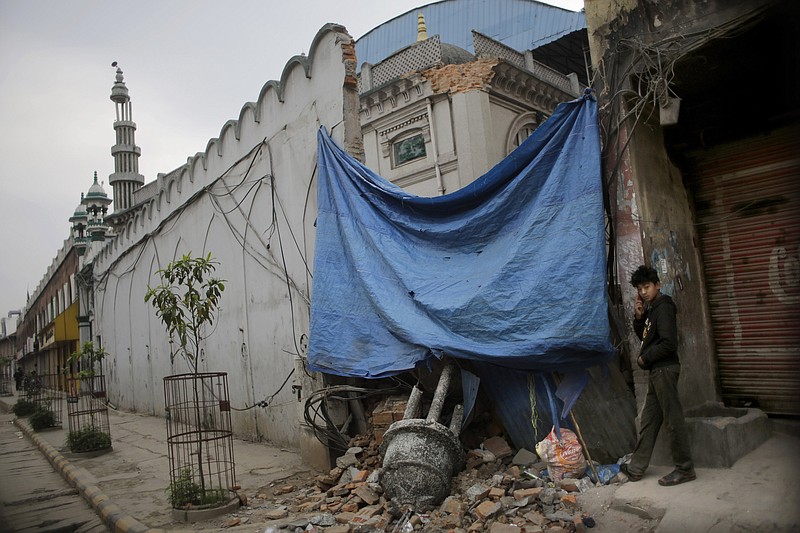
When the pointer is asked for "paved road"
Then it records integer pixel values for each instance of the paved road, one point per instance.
(33, 496)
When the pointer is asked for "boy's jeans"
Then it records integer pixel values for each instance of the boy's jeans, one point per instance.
(662, 405)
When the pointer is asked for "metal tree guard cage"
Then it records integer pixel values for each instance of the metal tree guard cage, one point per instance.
(47, 392)
(200, 439)
(5, 384)
(87, 412)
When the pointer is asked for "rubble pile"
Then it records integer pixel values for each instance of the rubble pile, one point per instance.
(495, 492)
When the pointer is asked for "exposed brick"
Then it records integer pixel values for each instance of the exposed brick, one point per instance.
(461, 78)
(345, 517)
(382, 418)
(496, 493)
(360, 476)
(285, 489)
(487, 509)
(569, 501)
(350, 507)
(331, 507)
(309, 506)
(531, 493)
(367, 494)
(366, 513)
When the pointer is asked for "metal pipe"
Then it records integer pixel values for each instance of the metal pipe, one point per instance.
(436, 168)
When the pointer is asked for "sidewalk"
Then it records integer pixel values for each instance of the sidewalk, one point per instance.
(126, 486)
(135, 474)
(758, 493)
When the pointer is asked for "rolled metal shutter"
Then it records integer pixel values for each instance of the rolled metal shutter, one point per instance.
(747, 200)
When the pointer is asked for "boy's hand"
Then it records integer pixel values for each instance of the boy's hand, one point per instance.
(638, 307)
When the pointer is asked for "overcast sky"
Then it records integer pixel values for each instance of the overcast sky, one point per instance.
(189, 65)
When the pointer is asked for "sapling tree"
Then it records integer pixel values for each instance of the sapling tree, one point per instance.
(187, 301)
(90, 355)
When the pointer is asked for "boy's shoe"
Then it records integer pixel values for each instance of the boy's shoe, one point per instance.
(676, 477)
(630, 475)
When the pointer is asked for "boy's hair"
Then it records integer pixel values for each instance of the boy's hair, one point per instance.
(644, 274)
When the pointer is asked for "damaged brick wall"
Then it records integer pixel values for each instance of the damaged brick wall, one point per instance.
(475, 75)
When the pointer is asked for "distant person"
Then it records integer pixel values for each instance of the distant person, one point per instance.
(655, 324)
(18, 375)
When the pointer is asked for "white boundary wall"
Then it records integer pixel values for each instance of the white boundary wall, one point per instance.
(221, 202)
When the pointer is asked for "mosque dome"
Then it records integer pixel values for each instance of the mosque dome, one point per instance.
(80, 211)
(96, 191)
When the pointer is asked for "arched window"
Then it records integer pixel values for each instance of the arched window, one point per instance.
(523, 133)
(522, 128)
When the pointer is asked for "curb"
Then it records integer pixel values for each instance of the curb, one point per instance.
(110, 513)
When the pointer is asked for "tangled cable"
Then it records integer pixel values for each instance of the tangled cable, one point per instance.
(316, 410)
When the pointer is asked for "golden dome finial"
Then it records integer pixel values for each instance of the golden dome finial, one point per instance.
(422, 31)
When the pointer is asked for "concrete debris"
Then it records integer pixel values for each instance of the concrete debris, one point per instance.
(494, 496)
(498, 446)
(525, 457)
(420, 456)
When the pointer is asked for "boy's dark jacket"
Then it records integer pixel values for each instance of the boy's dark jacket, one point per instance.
(660, 344)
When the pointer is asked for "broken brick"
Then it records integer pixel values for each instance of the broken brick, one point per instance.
(569, 501)
(496, 493)
(360, 476)
(531, 493)
(498, 446)
(350, 507)
(367, 494)
(487, 509)
(344, 517)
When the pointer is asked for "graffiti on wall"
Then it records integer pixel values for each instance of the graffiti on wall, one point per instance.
(784, 275)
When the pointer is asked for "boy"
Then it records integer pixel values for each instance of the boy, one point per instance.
(655, 325)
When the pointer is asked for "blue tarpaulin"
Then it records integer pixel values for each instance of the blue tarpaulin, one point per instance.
(509, 270)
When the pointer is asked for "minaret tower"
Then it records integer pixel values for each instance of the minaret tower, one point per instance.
(126, 177)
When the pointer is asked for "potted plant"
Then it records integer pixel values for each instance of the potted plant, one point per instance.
(197, 409)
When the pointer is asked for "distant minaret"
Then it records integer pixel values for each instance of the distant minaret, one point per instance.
(126, 177)
(422, 30)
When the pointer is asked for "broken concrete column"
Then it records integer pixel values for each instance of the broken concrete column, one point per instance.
(420, 456)
(413, 403)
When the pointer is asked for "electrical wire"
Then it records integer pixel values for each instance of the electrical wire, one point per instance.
(316, 409)
(267, 401)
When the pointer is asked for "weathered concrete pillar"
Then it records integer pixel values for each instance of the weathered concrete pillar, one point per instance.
(420, 456)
